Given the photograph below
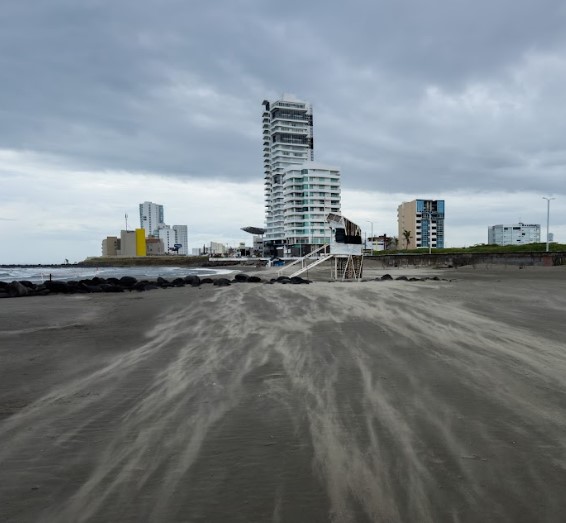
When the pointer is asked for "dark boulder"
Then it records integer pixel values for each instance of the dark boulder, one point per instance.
(386, 277)
(207, 280)
(17, 290)
(404, 278)
(241, 277)
(142, 286)
(97, 280)
(178, 282)
(108, 287)
(28, 284)
(297, 280)
(254, 279)
(89, 287)
(73, 286)
(57, 286)
(162, 281)
(128, 281)
(222, 282)
(193, 280)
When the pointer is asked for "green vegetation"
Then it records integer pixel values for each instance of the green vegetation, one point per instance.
(483, 248)
(407, 238)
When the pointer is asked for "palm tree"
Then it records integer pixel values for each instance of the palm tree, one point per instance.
(407, 237)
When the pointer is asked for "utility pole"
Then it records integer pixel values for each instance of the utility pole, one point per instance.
(547, 198)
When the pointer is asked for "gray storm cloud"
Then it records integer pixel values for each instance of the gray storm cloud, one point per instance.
(442, 96)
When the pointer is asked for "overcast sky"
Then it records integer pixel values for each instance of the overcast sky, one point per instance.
(105, 104)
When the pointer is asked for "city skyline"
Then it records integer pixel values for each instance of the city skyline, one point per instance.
(410, 101)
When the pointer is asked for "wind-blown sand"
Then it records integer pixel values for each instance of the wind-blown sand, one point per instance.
(378, 401)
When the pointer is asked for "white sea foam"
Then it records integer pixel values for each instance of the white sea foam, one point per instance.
(40, 274)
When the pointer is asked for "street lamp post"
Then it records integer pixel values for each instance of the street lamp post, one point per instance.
(547, 198)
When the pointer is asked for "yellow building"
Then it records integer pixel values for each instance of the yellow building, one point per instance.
(140, 242)
(132, 243)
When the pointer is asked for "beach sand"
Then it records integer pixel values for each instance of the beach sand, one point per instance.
(381, 401)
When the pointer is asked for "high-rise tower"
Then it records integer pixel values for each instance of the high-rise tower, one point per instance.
(151, 217)
(287, 142)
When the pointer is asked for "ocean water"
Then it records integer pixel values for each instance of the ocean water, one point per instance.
(40, 274)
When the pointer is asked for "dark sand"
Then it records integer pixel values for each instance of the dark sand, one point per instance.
(377, 401)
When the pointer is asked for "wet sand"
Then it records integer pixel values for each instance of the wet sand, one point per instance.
(377, 401)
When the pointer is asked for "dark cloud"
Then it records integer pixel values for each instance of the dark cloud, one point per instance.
(440, 95)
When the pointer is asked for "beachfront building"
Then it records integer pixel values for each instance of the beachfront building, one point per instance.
(181, 238)
(310, 192)
(167, 235)
(297, 191)
(154, 246)
(217, 248)
(151, 217)
(132, 243)
(513, 234)
(287, 141)
(421, 224)
(110, 246)
(380, 243)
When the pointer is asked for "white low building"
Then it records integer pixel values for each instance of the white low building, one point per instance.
(181, 238)
(217, 248)
(513, 234)
(167, 236)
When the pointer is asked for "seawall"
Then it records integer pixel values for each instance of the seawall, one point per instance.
(526, 259)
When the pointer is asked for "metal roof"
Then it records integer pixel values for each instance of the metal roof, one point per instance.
(254, 230)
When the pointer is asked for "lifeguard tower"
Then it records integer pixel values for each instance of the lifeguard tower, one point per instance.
(344, 252)
(345, 248)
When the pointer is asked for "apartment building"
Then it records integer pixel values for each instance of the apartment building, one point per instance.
(421, 224)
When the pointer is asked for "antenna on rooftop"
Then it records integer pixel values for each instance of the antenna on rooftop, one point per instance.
(126, 216)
